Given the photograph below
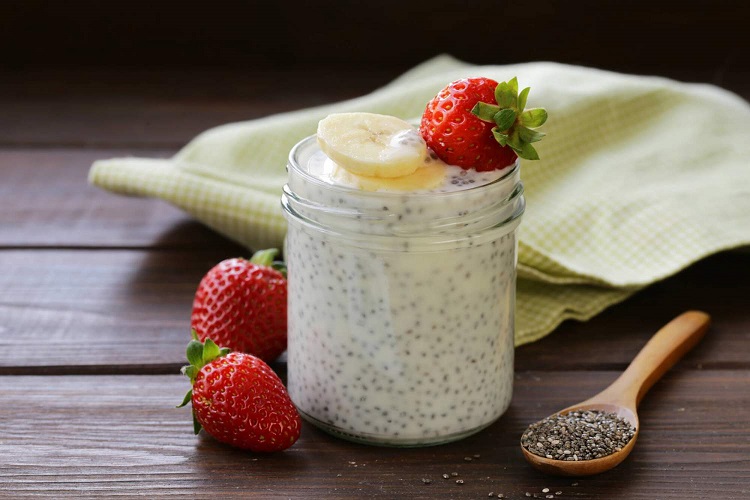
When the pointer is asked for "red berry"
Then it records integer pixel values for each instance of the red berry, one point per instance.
(242, 306)
(240, 401)
(459, 137)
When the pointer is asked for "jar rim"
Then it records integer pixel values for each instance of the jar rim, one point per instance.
(306, 142)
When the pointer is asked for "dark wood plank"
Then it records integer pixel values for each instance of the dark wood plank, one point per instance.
(139, 108)
(120, 435)
(125, 307)
(115, 301)
(46, 201)
(719, 285)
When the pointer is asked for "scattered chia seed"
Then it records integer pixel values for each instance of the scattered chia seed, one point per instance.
(459, 481)
(454, 474)
(426, 481)
(578, 435)
(468, 459)
(500, 495)
(574, 484)
(446, 476)
(492, 494)
(545, 490)
(477, 455)
(550, 496)
(558, 493)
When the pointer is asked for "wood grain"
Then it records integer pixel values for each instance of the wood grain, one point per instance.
(718, 285)
(148, 109)
(46, 201)
(53, 301)
(165, 108)
(120, 435)
(96, 289)
(125, 307)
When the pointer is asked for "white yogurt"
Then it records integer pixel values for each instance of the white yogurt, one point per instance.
(400, 304)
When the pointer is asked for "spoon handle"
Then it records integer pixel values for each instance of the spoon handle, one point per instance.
(664, 349)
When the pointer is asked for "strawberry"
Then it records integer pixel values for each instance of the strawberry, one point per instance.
(478, 123)
(242, 304)
(239, 400)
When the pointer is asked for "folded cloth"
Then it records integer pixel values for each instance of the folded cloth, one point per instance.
(639, 178)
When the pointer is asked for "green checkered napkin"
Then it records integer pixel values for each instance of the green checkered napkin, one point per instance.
(639, 178)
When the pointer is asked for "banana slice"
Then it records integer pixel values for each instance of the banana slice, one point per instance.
(372, 145)
(427, 177)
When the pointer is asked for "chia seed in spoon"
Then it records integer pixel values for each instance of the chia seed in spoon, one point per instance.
(578, 435)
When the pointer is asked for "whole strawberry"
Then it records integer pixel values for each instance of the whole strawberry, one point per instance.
(242, 304)
(478, 123)
(239, 400)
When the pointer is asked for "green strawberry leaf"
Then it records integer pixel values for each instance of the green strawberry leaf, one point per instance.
(528, 152)
(505, 95)
(514, 141)
(484, 111)
(186, 399)
(500, 136)
(534, 117)
(196, 425)
(522, 99)
(505, 118)
(264, 257)
(279, 266)
(210, 351)
(514, 122)
(191, 371)
(224, 351)
(528, 135)
(195, 352)
(513, 84)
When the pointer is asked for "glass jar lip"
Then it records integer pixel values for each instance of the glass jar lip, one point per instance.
(293, 163)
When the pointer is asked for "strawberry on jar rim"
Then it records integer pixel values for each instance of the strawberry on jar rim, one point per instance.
(481, 124)
(241, 304)
(239, 400)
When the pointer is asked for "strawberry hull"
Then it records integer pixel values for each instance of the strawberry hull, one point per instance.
(401, 304)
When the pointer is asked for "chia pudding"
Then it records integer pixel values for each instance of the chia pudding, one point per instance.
(401, 304)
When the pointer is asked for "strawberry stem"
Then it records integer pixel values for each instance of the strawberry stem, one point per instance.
(514, 124)
(199, 354)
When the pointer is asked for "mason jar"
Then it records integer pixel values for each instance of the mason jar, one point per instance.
(401, 305)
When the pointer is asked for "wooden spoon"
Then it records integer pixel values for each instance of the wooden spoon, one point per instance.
(664, 349)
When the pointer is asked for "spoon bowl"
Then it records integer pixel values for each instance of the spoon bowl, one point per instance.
(622, 397)
(596, 465)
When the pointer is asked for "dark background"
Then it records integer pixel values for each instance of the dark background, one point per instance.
(658, 37)
(137, 74)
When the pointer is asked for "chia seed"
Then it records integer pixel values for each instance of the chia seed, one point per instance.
(578, 435)
(378, 311)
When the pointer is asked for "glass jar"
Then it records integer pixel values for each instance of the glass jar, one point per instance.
(400, 306)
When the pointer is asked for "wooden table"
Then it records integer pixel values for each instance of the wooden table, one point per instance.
(95, 296)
